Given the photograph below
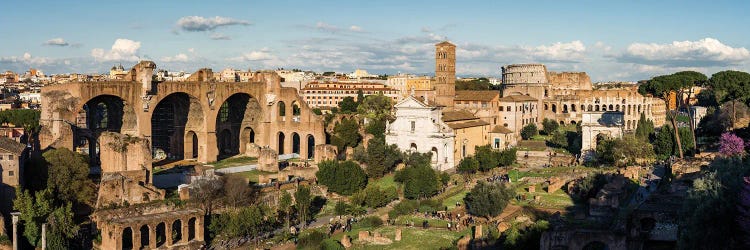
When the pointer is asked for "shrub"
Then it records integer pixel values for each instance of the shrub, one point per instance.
(488, 199)
(373, 196)
(331, 244)
(403, 208)
(311, 240)
(370, 221)
(549, 126)
(529, 131)
(341, 177)
(341, 208)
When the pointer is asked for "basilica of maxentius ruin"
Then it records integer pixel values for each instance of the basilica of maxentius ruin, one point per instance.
(125, 126)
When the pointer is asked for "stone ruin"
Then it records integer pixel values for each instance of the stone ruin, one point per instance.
(607, 200)
(126, 171)
(346, 242)
(325, 152)
(268, 160)
(373, 238)
(554, 184)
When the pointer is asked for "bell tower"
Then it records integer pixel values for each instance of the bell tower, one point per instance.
(445, 73)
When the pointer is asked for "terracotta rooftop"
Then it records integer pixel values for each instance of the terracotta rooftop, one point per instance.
(460, 115)
(11, 146)
(476, 95)
(517, 98)
(467, 124)
(501, 130)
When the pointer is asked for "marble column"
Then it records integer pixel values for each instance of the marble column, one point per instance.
(44, 236)
(15, 229)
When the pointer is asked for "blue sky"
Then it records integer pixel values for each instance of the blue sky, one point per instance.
(611, 40)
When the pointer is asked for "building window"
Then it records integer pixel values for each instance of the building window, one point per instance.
(11, 173)
(413, 126)
(497, 143)
(10, 157)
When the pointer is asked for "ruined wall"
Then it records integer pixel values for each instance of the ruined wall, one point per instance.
(124, 153)
(524, 73)
(569, 80)
(116, 189)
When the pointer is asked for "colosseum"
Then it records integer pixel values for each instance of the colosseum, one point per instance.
(564, 96)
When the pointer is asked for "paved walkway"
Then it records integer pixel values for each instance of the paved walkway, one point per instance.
(251, 167)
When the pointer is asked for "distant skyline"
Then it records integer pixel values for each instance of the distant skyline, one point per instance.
(611, 41)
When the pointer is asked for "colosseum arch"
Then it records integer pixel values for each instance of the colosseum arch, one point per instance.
(310, 147)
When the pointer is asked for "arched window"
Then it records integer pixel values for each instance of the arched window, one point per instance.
(554, 108)
(295, 109)
(224, 112)
(101, 112)
(282, 109)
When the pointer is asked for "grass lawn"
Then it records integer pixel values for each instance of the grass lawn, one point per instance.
(385, 182)
(450, 201)
(234, 161)
(412, 238)
(328, 209)
(251, 175)
(530, 145)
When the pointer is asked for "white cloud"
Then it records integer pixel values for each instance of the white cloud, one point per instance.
(181, 57)
(219, 36)
(122, 50)
(199, 23)
(191, 50)
(573, 51)
(706, 52)
(356, 28)
(27, 59)
(256, 55)
(56, 42)
(326, 27)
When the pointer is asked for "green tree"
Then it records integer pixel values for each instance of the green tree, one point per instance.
(35, 209)
(373, 196)
(623, 151)
(420, 180)
(507, 157)
(376, 127)
(529, 131)
(487, 158)
(348, 105)
(730, 85)
(381, 158)
(645, 128)
(341, 177)
(488, 199)
(317, 111)
(61, 227)
(68, 176)
(376, 107)
(468, 165)
(302, 200)
(559, 139)
(664, 142)
(549, 126)
(346, 134)
(285, 205)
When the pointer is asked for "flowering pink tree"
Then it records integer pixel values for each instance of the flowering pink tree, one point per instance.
(731, 145)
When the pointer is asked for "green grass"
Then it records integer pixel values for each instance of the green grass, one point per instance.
(234, 161)
(531, 145)
(252, 175)
(450, 202)
(411, 238)
(385, 182)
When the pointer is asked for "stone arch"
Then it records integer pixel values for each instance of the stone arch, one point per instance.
(310, 146)
(630, 108)
(546, 106)
(573, 108)
(191, 229)
(172, 116)
(238, 112)
(161, 234)
(280, 145)
(639, 108)
(562, 122)
(554, 108)
(296, 144)
(127, 238)
(176, 231)
(107, 113)
(296, 110)
(191, 145)
(591, 108)
(565, 108)
(145, 241)
(413, 147)
(573, 122)
(281, 106)
(597, 107)
(595, 245)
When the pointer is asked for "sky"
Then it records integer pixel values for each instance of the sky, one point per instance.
(610, 40)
